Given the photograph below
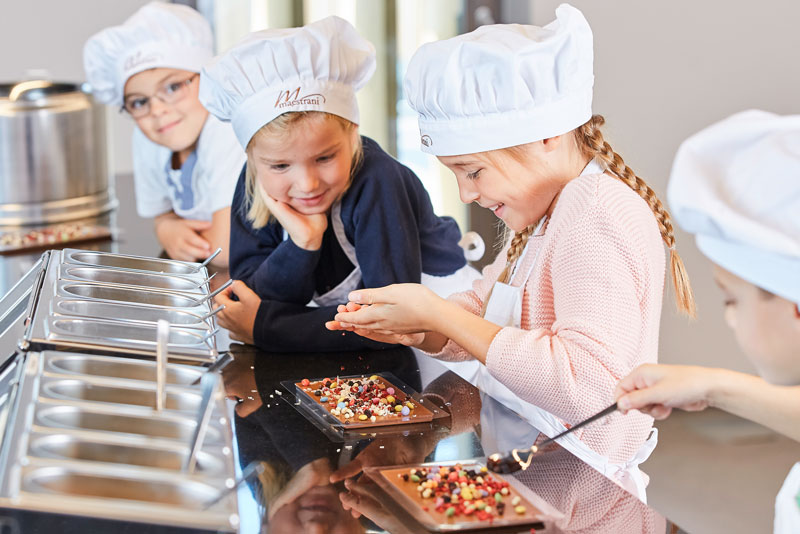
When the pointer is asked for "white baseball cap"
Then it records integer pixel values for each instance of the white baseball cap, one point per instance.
(502, 85)
(158, 35)
(736, 186)
(318, 67)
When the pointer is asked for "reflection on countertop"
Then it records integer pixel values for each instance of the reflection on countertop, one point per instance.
(300, 459)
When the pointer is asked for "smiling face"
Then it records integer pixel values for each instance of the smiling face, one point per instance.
(308, 167)
(766, 326)
(519, 184)
(176, 126)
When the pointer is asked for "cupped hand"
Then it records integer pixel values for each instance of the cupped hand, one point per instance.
(181, 238)
(657, 389)
(239, 316)
(394, 309)
(410, 340)
(305, 231)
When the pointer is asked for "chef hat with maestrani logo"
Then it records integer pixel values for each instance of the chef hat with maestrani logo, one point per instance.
(158, 35)
(318, 67)
(736, 186)
(502, 85)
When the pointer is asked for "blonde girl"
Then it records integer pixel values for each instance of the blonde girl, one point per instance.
(573, 302)
(319, 210)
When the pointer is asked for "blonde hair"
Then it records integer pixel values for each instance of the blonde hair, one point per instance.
(590, 142)
(257, 212)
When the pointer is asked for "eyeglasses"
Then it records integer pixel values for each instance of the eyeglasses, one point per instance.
(169, 93)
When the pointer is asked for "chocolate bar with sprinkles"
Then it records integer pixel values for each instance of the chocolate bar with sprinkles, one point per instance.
(364, 401)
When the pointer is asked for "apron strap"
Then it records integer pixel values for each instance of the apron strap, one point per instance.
(341, 237)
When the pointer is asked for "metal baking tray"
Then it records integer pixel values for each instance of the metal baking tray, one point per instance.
(111, 310)
(84, 439)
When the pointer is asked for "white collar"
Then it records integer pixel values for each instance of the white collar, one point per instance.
(593, 167)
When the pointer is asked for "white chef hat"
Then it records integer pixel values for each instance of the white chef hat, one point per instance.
(736, 185)
(318, 67)
(158, 35)
(502, 85)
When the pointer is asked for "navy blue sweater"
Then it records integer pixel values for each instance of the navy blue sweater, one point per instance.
(387, 216)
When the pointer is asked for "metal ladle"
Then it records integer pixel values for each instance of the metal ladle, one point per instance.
(513, 461)
(214, 293)
(207, 260)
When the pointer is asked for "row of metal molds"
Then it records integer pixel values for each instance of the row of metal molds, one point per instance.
(82, 438)
(97, 301)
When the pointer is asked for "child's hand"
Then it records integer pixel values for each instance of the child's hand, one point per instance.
(397, 309)
(305, 230)
(238, 317)
(181, 237)
(657, 389)
(411, 339)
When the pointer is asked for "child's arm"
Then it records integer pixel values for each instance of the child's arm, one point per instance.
(274, 268)
(283, 327)
(657, 389)
(218, 235)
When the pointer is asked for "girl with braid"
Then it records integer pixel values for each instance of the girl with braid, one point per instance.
(572, 303)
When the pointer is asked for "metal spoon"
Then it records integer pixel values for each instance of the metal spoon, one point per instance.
(214, 293)
(207, 260)
(209, 384)
(206, 280)
(212, 313)
(513, 461)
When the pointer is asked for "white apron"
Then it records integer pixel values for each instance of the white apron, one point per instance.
(787, 504)
(505, 309)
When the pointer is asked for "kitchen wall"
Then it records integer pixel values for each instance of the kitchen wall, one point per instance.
(664, 70)
(49, 35)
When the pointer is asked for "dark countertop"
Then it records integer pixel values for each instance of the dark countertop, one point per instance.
(299, 453)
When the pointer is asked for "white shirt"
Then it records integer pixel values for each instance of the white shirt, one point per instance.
(218, 161)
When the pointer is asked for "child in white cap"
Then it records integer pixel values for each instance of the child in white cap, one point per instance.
(736, 186)
(185, 162)
(573, 302)
(319, 210)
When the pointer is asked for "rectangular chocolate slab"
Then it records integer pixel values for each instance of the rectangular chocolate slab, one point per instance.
(423, 510)
(420, 414)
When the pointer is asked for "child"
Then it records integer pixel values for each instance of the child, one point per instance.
(736, 185)
(318, 210)
(517, 130)
(185, 163)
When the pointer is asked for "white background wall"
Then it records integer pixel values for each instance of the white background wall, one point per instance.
(663, 71)
(49, 34)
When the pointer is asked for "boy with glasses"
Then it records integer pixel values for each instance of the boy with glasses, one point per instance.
(186, 162)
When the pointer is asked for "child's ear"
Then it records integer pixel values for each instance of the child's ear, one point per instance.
(552, 143)
(797, 310)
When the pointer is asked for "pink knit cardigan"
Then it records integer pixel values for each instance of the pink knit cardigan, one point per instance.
(590, 311)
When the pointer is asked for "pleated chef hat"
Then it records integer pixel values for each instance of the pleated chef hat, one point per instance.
(158, 35)
(502, 85)
(736, 185)
(318, 67)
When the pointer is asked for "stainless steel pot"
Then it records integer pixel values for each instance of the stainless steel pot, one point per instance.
(53, 160)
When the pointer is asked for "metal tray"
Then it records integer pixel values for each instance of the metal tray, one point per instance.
(128, 262)
(119, 319)
(85, 440)
(131, 278)
(184, 318)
